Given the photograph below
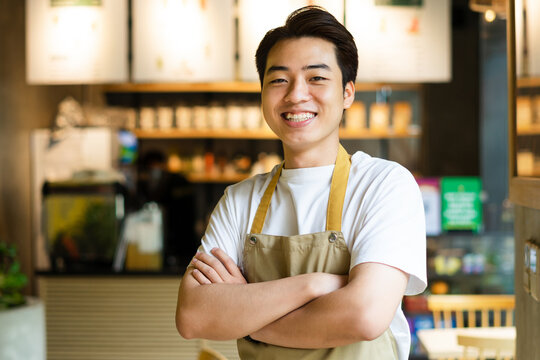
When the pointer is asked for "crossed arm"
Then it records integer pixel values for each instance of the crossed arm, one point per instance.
(316, 310)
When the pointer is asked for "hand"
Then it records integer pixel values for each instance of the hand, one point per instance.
(219, 268)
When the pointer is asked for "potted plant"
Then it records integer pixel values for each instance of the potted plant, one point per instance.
(22, 319)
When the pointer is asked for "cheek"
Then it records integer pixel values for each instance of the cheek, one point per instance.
(331, 99)
(265, 106)
(266, 110)
(269, 103)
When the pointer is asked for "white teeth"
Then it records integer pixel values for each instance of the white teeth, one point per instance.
(299, 117)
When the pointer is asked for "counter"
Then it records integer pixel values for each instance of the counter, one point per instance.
(116, 316)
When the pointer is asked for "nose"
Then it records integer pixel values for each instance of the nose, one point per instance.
(298, 91)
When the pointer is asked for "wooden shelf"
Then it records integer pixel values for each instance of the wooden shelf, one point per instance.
(225, 179)
(260, 134)
(360, 86)
(528, 82)
(229, 87)
(225, 87)
(368, 134)
(204, 134)
(529, 130)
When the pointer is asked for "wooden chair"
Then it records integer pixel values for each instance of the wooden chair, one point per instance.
(475, 308)
(500, 347)
(207, 353)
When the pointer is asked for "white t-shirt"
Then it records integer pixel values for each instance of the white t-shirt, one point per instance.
(383, 219)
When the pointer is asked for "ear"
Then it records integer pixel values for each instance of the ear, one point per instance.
(348, 95)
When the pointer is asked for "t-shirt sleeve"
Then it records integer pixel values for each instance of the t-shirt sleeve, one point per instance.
(390, 227)
(222, 230)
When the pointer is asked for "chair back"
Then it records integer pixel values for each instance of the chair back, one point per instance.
(487, 347)
(477, 310)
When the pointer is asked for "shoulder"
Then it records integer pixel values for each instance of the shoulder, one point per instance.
(377, 173)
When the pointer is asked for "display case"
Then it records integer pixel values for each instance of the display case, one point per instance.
(82, 221)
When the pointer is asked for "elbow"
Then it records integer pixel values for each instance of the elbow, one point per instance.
(185, 332)
(371, 331)
(367, 327)
(184, 325)
(191, 327)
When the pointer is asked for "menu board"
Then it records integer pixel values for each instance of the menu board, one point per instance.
(401, 40)
(461, 203)
(76, 41)
(256, 17)
(183, 40)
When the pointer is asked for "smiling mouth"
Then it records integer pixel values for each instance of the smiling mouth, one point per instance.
(298, 117)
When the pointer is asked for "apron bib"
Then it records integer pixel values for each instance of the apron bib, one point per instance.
(269, 257)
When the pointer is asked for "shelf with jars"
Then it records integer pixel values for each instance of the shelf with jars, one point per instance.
(192, 119)
(208, 111)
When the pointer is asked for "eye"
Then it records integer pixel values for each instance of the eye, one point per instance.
(277, 81)
(318, 78)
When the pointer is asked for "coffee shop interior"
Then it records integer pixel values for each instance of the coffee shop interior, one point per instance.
(123, 121)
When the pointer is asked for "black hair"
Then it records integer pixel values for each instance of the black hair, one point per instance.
(313, 21)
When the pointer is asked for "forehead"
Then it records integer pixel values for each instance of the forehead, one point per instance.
(300, 52)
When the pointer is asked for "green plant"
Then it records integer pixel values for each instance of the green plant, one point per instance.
(11, 279)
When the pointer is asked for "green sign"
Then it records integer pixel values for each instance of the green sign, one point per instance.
(461, 205)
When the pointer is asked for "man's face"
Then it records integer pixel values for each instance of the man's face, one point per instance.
(302, 94)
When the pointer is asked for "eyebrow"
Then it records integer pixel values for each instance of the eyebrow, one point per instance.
(307, 67)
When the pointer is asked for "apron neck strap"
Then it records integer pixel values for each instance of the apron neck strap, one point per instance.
(338, 187)
(260, 215)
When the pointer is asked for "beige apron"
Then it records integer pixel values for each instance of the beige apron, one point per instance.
(268, 257)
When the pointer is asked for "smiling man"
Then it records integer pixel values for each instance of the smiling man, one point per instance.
(311, 260)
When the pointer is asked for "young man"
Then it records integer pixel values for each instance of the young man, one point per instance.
(311, 260)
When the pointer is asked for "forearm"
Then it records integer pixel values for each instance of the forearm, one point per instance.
(230, 311)
(362, 310)
(326, 322)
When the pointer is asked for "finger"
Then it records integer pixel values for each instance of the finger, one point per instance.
(214, 263)
(201, 279)
(226, 260)
(208, 271)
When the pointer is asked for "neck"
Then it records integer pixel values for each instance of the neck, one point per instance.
(296, 158)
